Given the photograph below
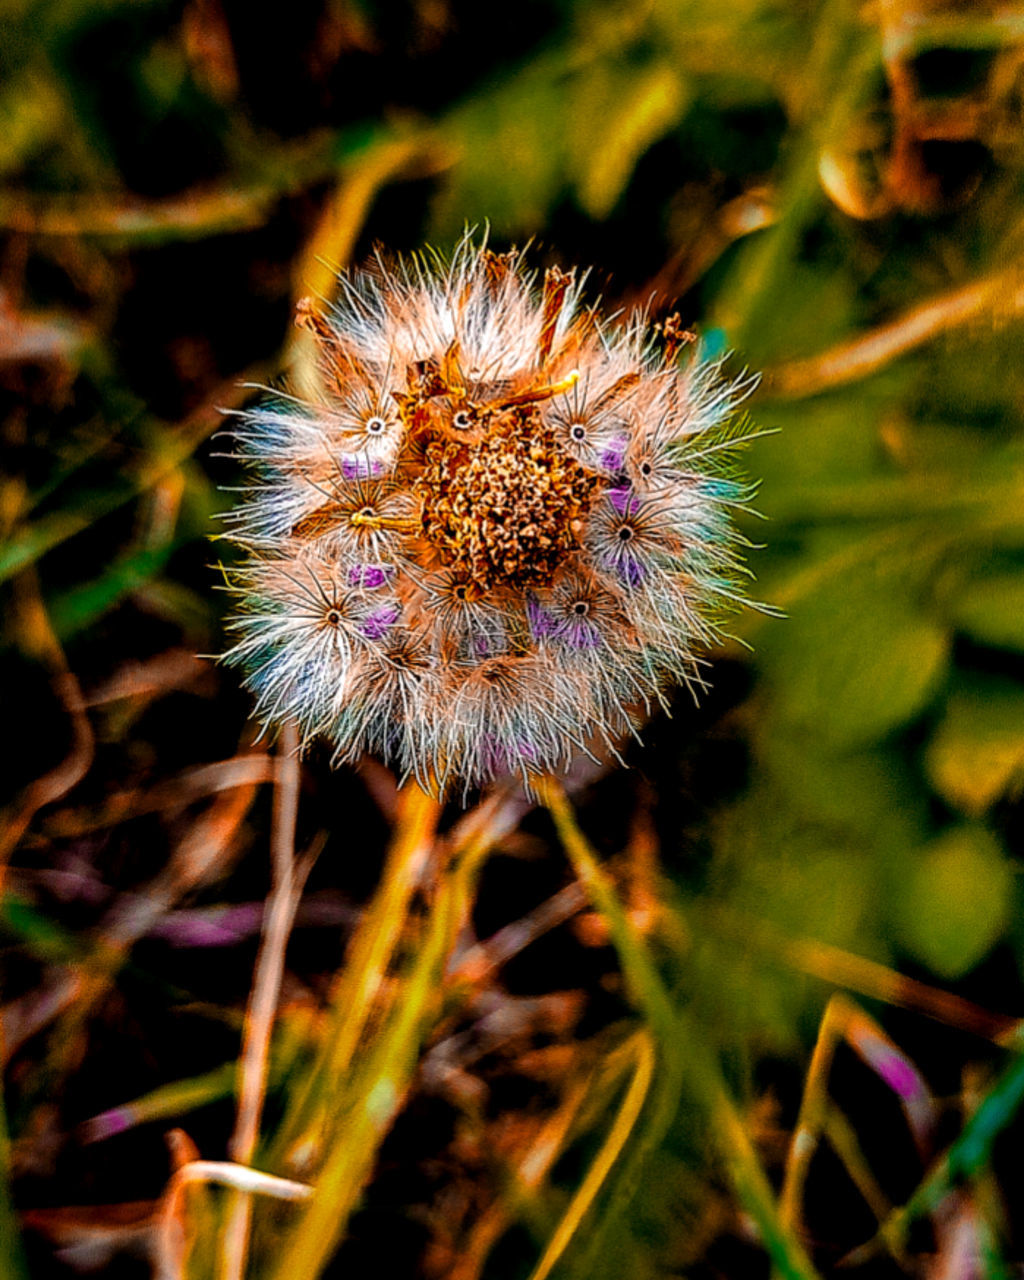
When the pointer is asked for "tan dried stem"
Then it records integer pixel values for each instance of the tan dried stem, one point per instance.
(869, 978)
(843, 1022)
(39, 638)
(287, 879)
(171, 1242)
(248, 769)
(483, 959)
(358, 990)
(998, 296)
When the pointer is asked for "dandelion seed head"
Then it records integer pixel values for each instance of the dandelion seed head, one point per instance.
(498, 533)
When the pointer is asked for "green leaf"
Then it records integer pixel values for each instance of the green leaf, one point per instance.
(41, 936)
(870, 795)
(619, 112)
(854, 660)
(991, 609)
(583, 117)
(813, 309)
(956, 900)
(12, 1259)
(808, 875)
(977, 751)
(522, 121)
(839, 438)
(32, 114)
(79, 608)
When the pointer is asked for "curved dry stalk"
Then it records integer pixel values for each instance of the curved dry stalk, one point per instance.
(999, 295)
(287, 881)
(249, 769)
(356, 994)
(40, 638)
(60, 780)
(611, 1148)
(171, 1244)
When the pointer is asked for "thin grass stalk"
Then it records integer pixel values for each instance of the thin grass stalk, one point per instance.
(651, 998)
(844, 1141)
(966, 1159)
(357, 992)
(677, 1036)
(611, 1148)
(282, 902)
(39, 639)
(371, 1097)
(12, 1260)
(811, 1118)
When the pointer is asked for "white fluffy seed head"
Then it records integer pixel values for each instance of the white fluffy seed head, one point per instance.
(499, 532)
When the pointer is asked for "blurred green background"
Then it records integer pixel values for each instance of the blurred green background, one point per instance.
(833, 193)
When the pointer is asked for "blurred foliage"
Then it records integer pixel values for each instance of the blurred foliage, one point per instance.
(831, 191)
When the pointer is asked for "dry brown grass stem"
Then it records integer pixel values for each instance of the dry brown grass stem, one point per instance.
(171, 1243)
(196, 212)
(873, 979)
(287, 879)
(869, 978)
(483, 959)
(203, 853)
(999, 296)
(150, 677)
(249, 769)
(25, 1017)
(59, 781)
(496, 816)
(38, 638)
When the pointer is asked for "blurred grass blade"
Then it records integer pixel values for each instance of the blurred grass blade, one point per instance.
(74, 610)
(370, 953)
(12, 1259)
(166, 452)
(364, 1105)
(169, 1101)
(676, 1036)
(618, 1135)
(632, 111)
(968, 1156)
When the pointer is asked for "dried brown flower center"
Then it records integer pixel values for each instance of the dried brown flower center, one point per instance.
(509, 508)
